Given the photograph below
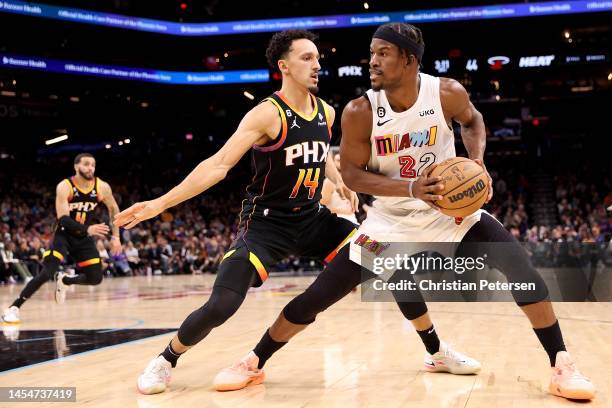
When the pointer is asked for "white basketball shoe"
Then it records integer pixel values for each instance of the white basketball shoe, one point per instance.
(156, 376)
(450, 361)
(11, 315)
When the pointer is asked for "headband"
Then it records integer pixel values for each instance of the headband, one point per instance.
(390, 35)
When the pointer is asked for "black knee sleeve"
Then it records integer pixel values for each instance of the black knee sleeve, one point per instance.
(335, 282)
(93, 274)
(223, 303)
(416, 306)
(50, 266)
(509, 257)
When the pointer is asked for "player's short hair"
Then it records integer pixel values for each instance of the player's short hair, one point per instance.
(410, 32)
(280, 44)
(79, 156)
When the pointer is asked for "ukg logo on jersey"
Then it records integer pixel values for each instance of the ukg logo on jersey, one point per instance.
(389, 144)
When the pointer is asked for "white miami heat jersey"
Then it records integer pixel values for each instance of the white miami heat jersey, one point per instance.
(405, 144)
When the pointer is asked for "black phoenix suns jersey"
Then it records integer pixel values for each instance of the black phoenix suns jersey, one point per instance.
(82, 203)
(289, 171)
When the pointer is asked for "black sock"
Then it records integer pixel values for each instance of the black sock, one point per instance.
(80, 279)
(19, 301)
(552, 340)
(266, 347)
(430, 339)
(170, 355)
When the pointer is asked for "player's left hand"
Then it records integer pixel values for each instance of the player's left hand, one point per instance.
(481, 164)
(138, 212)
(348, 194)
(115, 246)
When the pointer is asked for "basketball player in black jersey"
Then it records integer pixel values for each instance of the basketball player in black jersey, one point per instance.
(76, 198)
(288, 134)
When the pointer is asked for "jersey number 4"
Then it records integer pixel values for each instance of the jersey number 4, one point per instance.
(310, 182)
(407, 164)
(81, 216)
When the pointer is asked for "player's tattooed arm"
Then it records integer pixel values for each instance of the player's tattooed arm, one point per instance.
(113, 209)
(458, 107)
(62, 194)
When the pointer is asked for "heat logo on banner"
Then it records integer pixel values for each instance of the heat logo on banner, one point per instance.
(393, 143)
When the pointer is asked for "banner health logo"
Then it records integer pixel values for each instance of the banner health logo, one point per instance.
(389, 144)
(468, 192)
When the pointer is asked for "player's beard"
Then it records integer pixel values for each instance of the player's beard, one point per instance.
(85, 176)
(313, 89)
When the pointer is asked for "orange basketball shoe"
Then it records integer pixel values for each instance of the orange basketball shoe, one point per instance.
(240, 375)
(567, 381)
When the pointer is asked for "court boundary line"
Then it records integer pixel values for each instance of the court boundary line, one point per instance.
(73, 356)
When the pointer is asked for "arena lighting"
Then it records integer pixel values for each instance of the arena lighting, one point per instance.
(107, 146)
(566, 34)
(56, 140)
(366, 5)
(8, 93)
(610, 76)
(120, 143)
(183, 6)
(535, 122)
(127, 141)
(189, 136)
(484, 12)
(248, 95)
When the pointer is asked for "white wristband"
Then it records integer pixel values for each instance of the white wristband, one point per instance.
(410, 189)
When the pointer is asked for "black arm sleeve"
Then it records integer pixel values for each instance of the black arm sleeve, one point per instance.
(73, 227)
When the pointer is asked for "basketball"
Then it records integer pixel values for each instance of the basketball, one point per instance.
(465, 186)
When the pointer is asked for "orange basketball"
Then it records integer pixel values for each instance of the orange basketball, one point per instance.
(466, 186)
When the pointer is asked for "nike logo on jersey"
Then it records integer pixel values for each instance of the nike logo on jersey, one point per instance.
(379, 123)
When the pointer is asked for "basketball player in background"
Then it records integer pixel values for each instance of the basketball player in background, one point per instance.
(420, 108)
(76, 198)
(288, 134)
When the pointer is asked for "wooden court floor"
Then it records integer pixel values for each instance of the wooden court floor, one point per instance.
(356, 354)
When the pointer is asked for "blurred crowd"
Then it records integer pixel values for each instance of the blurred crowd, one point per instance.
(192, 237)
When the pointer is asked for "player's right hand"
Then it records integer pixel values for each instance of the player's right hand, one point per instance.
(138, 212)
(427, 187)
(98, 230)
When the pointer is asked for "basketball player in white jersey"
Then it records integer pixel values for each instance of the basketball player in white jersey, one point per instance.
(418, 108)
(393, 137)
